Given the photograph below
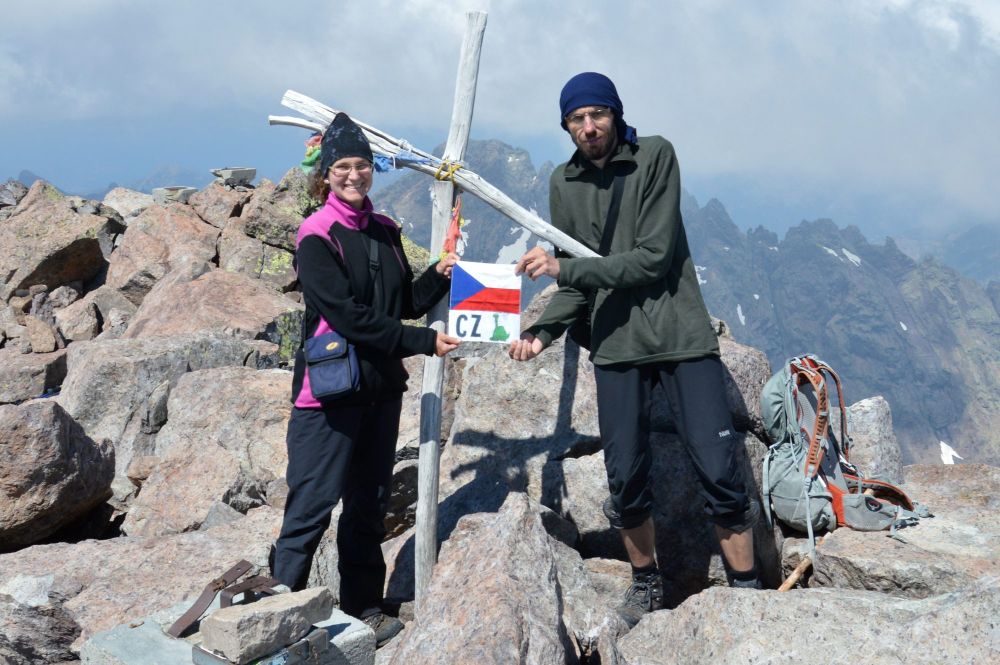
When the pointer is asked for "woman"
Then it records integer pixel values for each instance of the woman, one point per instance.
(345, 448)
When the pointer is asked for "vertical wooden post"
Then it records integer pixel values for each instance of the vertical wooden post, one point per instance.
(443, 198)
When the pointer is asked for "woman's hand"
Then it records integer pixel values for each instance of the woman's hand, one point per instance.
(444, 344)
(445, 265)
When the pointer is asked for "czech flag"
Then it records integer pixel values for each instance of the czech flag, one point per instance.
(485, 304)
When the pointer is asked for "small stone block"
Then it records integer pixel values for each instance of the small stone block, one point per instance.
(235, 176)
(146, 644)
(310, 650)
(164, 195)
(242, 633)
(352, 642)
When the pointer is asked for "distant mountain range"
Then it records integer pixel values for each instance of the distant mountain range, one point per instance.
(162, 176)
(975, 252)
(916, 332)
(920, 333)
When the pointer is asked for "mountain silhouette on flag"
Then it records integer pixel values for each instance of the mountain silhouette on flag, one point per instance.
(470, 293)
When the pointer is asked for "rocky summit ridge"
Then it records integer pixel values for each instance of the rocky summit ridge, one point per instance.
(144, 382)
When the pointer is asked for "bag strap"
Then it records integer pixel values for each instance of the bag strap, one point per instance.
(373, 269)
(203, 602)
(256, 586)
(374, 265)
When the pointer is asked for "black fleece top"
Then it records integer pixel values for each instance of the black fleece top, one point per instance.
(340, 289)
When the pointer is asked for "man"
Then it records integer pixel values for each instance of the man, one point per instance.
(648, 325)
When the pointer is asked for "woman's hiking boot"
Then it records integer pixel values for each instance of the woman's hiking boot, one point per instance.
(644, 596)
(386, 627)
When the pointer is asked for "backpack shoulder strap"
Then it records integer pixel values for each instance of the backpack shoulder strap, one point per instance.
(803, 371)
(844, 438)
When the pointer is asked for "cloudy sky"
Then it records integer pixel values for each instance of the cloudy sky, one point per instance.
(880, 113)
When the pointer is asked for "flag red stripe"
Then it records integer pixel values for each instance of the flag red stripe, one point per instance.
(493, 300)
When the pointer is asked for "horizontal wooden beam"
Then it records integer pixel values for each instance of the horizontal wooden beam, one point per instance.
(466, 179)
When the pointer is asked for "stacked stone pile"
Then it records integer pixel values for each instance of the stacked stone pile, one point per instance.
(144, 384)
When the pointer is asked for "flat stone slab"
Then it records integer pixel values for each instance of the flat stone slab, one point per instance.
(142, 642)
(953, 549)
(340, 639)
(234, 175)
(242, 633)
(352, 642)
(164, 195)
(726, 626)
(313, 649)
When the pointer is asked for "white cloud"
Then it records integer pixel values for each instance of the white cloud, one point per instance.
(888, 97)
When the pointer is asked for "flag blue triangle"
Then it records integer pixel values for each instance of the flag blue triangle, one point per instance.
(463, 285)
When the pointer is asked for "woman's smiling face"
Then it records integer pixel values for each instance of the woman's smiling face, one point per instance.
(350, 180)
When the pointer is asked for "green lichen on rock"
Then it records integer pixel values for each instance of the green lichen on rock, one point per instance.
(286, 332)
(306, 204)
(418, 257)
(300, 202)
(275, 262)
(52, 193)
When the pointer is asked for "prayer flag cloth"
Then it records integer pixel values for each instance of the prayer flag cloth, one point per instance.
(485, 304)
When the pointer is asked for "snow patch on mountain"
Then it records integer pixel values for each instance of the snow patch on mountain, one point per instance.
(512, 252)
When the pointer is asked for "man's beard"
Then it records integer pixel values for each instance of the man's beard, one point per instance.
(597, 151)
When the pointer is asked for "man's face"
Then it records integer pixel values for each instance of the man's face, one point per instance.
(593, 131)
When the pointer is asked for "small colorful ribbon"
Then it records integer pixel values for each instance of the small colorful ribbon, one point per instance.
(312, 153)
(454, 232)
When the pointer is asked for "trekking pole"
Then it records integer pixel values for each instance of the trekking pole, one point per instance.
(800, 570)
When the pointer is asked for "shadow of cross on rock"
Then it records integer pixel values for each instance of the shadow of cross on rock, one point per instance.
(532, 428)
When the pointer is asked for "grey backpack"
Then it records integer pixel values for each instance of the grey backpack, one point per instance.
(809, 481)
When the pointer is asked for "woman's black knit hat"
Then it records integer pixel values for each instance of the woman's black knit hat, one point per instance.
(343, 138)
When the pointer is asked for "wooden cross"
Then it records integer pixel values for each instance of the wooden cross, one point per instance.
(443, 198)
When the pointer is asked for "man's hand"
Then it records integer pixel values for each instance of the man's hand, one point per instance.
(445, 343)
(445, 265)
(537, 262)
(525, 348)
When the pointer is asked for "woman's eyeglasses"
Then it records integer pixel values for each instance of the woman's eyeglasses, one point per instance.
(341, 171)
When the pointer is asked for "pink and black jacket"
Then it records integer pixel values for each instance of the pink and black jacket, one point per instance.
(333, 269)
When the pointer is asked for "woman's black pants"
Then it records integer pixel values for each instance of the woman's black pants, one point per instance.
(339, 452)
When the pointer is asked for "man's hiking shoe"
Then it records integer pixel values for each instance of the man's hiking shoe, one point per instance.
(644, 596)
(385, 627)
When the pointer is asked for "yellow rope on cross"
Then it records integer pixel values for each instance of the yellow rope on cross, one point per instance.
(447, 170)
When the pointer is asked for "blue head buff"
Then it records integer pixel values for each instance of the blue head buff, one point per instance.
(593, 89)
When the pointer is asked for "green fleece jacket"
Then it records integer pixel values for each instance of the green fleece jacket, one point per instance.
(648, 306)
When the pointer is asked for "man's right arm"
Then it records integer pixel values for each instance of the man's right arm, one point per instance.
(567, 303)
